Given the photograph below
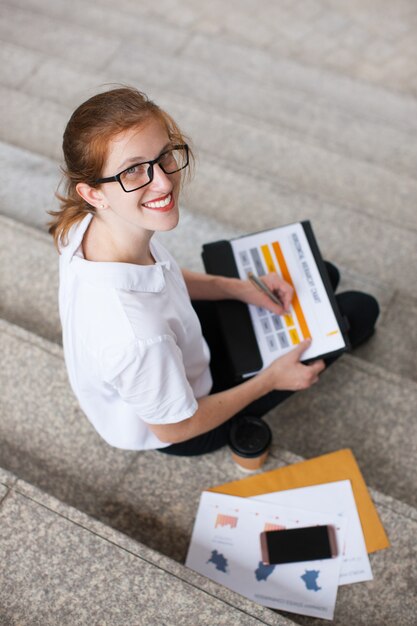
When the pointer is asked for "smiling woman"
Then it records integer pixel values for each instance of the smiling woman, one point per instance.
(134, 203)
(144, 355)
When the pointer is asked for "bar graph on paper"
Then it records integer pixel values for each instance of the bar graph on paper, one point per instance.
(287, 252)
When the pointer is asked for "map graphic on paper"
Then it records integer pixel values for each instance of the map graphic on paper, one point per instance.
(219, 561)
(310, 578)
(263, 571)
(232, 556)
(286, 251)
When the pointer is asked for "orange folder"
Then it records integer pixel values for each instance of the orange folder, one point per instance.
(340, 465)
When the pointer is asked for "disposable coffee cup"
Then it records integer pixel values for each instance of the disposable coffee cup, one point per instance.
(249, 439)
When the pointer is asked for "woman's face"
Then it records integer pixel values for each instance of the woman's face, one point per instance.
(154, 207)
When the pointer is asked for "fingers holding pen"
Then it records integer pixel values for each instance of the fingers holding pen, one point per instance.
(286, 294)
(271, 292)
(283, 290)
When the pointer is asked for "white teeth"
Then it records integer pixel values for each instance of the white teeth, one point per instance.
(160, 203)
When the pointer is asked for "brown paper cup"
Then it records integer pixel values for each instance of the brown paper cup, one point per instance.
(250, 439)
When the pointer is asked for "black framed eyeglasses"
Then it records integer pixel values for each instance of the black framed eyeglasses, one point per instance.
(141, 174)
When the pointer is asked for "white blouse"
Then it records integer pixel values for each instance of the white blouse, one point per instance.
(133, 344)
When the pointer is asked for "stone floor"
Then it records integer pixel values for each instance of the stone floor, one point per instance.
(297, 109)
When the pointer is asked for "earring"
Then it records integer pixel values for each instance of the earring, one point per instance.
(101, 206)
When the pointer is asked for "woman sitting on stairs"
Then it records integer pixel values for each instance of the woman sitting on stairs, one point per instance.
(142, 346)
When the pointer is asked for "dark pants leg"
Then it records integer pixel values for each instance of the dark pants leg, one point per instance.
(361, 311)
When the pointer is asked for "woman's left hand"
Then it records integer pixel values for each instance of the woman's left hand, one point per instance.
(251, 294)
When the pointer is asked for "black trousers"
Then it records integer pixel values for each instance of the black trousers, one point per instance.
(361, 311)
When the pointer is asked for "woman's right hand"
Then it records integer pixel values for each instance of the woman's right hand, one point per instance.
(289, 374)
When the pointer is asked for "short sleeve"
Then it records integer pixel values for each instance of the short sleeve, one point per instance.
(150, 377)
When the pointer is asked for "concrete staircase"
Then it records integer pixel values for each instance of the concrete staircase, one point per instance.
(296, 110)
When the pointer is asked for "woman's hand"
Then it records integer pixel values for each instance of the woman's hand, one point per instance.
(289, 374)
(251, 294)
(208, 287)
(285, 373)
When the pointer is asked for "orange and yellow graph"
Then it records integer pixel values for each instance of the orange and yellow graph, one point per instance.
(298, 311)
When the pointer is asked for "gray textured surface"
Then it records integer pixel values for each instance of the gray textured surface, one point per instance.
(368, 410)
(298, 109)
(160, 510)
(79, 45)
(3, 492)
(70, 567)
(31, 300)
(69, 575)
(6, 477)
(397, 352)
(45, 437)
(147, 554)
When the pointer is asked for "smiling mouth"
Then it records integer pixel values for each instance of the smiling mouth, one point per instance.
(161, 204)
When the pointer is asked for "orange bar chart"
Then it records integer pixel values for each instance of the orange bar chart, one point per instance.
(287, 277)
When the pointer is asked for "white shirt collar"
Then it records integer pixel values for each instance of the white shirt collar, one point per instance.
(127, 276)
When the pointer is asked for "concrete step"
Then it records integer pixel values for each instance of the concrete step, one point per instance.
(344, 39)
(327, 127)
(341, 42)
(287, 162)
(109, 21)
(268, 107)
(379, 140)
(90, 570)
(77, 570)
(48, 35)
(366, 407)
(346, 161)
(150, 29)
(289, 84)
(318, 85)
(35, 190)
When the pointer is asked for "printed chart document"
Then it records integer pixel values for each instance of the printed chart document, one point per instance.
(334, 498)
(253, 336)
(225, 547)
(288, 252)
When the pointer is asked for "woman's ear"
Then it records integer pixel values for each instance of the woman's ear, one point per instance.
(91, 195)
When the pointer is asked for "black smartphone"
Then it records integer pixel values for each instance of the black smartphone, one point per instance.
(298, 544)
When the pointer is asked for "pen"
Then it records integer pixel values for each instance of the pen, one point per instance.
(261, 285)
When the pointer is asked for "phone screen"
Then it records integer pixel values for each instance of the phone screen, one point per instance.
(298, 544)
